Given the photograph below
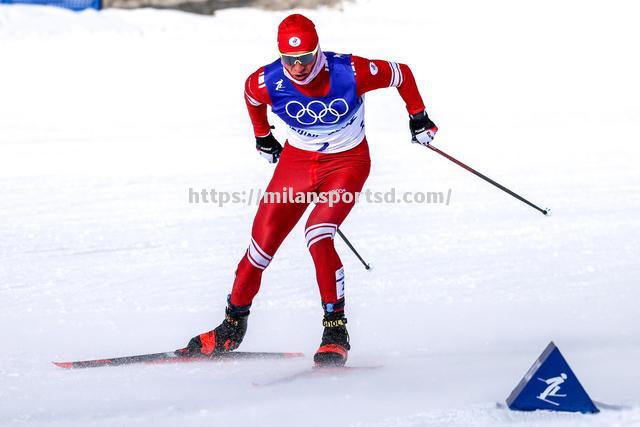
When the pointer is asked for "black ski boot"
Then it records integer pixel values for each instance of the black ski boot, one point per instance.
(335, 341)
(226, 337)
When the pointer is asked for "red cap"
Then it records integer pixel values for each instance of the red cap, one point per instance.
(296, 33)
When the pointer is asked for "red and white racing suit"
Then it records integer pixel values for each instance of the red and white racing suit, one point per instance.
(307, 170)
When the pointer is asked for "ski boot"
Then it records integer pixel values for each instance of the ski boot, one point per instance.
(224, 338)
(335, 341)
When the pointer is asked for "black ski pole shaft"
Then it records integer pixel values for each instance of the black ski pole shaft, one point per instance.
(489, 180)
(366, 266)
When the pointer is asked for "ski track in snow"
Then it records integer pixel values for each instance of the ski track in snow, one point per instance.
(107, 119)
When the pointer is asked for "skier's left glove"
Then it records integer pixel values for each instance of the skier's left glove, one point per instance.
(423, 130)
(268, 147)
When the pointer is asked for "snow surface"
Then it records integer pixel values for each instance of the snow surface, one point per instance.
(107, 119)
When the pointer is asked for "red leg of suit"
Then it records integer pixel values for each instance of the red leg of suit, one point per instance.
(271, 225)
(346, 174)
(302, 171)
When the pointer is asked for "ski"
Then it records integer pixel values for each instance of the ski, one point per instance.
(317, 372)
(174, 357)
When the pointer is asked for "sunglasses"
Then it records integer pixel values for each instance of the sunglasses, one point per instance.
(303, 58)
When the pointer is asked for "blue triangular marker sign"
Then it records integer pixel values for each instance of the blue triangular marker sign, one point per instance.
(550, 384)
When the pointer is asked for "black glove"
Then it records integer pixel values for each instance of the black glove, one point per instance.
(423, 130)
(268, 147)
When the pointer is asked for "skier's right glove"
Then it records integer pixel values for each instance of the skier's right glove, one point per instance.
(268, 147)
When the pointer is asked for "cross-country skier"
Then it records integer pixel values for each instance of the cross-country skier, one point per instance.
(320, 97)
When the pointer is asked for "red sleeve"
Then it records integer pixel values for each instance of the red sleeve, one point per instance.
(372, 74)
(256, 96)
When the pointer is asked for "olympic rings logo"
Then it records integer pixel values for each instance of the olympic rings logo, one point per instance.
(317, 111)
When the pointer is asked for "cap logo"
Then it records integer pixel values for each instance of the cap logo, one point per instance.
(294, 41)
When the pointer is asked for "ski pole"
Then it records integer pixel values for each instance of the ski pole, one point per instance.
(546, 211)
(366, 266)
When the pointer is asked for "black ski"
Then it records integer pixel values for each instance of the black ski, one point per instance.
(174, 357)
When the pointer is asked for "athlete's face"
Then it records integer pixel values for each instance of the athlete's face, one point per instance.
(299, 71)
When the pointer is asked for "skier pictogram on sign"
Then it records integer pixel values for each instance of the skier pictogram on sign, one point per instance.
(550, 384)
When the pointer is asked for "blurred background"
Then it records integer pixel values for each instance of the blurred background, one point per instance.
(205, 7)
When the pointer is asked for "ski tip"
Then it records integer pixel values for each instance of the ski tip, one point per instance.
(63, 365)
